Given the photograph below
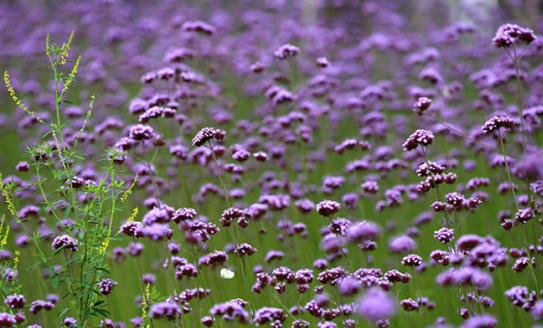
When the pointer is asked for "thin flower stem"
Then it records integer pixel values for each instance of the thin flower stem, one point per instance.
(223, 186)
(520, 104)
(507, 170)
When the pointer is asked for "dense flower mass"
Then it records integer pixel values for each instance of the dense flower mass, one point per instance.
(271, 163)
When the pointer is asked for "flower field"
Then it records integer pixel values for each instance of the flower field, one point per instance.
(307, 163)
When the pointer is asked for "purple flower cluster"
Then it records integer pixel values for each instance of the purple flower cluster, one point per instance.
(507, 34)
(420, 137)
(356, 162)
(207, 134)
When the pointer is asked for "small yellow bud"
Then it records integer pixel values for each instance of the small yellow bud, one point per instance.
(129, 191)
(16, 259)
(134, 214)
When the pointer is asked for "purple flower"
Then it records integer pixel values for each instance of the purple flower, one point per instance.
(429, 168)
(231, 311)
(480, 321)
(285, 51)
(69, 322)
(66, 242)
(517, 295)
(537, 310)
(348, 286)
(402, 244)
(444, 235)
(508, 33)
(7, 320)
(269, 315)
(15, 301)
(106, 285)
(409, 305)
(137, 322)
(245, 249)
(497, 122)
(412, 260)
(537, 188)
(199, 27)
(38, 305)
(141, 132)
(165, 310)
(465, 276)
(135, 249)
(304, 205)
(363, 231)
(331, 243)
(207, 134)
(149, 278)
(216, 258)
(186, 270)
(207, 321)
(300, 324)
(328, 208)
(422, 105)
(420, 137)
(132, 228)
(524, 215)
(376, 305)
(157, 231)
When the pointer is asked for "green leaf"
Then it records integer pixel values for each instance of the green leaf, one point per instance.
(101, 312)
(41, 67)
(67, 211)
(63, 312)
(58, 250)
(103, 270)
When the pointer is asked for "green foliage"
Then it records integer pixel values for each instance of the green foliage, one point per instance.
(53, 162)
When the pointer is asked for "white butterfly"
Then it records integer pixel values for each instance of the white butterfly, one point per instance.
(227, 274)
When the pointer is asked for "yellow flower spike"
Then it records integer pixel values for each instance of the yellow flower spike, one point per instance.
(105, 244)
(64, 55)
(6, 195)
(16, 259)
(144, 302)
(129, 191)
(68, 45)
(72, 75)
(89, 114)
(5, 239)
(3, 219)
(133, 215)
(16, 99)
